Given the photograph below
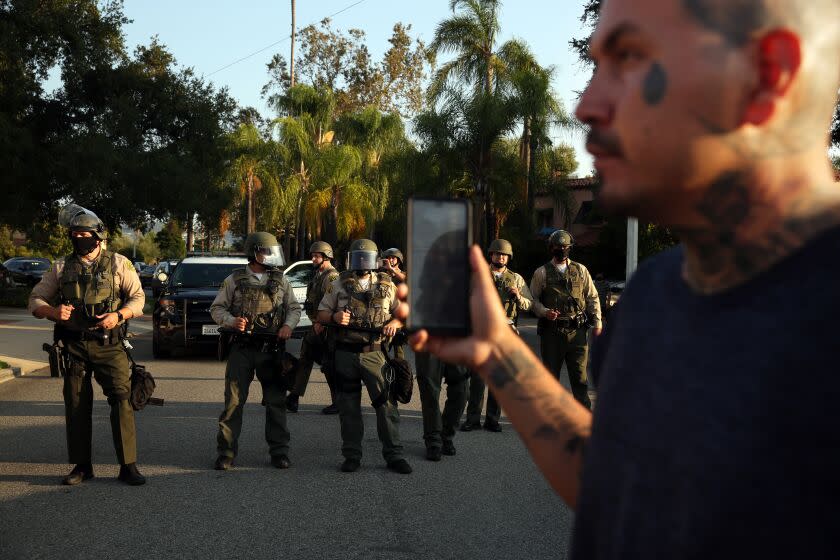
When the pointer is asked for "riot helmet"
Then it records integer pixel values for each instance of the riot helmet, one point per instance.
(501, 246)
(560, 244)
(363, 255)
(77, 218)
(322, 247)
(263, 248)
(393, 252)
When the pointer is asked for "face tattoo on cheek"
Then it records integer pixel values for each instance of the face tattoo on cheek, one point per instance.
(655, 85)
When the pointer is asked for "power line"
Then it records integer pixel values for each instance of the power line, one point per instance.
(353, 5)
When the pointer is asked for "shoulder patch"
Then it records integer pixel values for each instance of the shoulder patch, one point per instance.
(330, 288)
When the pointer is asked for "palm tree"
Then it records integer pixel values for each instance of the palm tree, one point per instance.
(250, 167)
(377, 136)
(304, 127)
(485, 69)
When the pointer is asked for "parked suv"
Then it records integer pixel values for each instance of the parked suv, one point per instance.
(26, 271)
(181, 318)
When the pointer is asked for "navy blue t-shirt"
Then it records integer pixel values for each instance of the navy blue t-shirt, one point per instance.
(717, 428)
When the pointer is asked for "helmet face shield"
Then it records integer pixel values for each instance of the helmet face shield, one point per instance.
(269, 256)
(364, 260)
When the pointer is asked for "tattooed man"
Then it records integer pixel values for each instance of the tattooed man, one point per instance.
(716, 431)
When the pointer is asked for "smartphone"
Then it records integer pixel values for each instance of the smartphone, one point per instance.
(439, 240)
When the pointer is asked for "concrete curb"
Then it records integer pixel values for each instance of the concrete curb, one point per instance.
(20, 368)
(9, 373)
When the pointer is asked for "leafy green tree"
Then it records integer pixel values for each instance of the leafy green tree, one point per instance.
(170, 240)
(379, 137)
(342, 63)
(501, 84)
(131, 137)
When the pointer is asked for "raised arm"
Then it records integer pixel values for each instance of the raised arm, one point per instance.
(554, 427)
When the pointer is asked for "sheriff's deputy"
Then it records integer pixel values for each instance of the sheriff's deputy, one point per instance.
(566, 302)
(366, 299)
(315, 343)
(89, 295)
(258, 303)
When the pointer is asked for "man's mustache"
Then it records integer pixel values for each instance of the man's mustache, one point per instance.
(604, 142)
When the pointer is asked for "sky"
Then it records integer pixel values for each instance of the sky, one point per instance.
(212, 36)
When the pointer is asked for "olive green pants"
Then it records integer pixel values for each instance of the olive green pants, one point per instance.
(242, 364)
(311, 347)
(559, 347)
(352, 370)
(439, 427)
(109, 366)
(476, 387)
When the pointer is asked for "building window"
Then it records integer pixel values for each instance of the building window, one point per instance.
(545, 217)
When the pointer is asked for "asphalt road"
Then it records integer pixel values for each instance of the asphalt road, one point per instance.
(488, 501)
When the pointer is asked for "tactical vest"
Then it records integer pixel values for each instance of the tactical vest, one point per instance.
(503, 282)
(368, 308)
(261, 304)
(316, 289)
(564, 292)
(91, 290)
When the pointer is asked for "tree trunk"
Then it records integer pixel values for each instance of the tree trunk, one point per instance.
(190, 231)
(525, 153)
(251, 222)
(292, 56)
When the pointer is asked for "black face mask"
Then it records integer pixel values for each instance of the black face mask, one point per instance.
(497, 266)
(84, 245)
(561, 254)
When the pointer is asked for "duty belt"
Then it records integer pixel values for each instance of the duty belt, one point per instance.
(358, 348)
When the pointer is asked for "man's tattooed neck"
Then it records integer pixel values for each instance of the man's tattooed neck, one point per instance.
(749, 228)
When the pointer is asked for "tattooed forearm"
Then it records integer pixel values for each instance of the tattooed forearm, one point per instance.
(510, 368)
(517, 374)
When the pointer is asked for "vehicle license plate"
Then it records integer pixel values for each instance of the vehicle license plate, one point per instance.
(212, 330)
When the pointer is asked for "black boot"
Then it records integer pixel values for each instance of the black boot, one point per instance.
(280, 461)
(292, 402)
(223, 463)
(331, 409)
(130, 475)
(81, 472)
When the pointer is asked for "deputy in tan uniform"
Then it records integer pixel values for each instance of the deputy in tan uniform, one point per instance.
(361, 297)
(516, 297)
(89, 295)
(259, 304)
(315, 343)
(566, 301)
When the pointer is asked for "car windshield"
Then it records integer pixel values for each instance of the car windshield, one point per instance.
(202, 275)
(300, 275)
(36, 265)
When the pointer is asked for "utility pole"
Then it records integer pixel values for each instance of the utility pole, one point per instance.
(632, 247)
(292, 57)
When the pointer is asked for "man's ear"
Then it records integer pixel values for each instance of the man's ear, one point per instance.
(779, 60)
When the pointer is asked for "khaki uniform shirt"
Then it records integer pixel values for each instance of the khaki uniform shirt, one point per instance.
(590, 294)
(323, 280)
(525, 301)
(337, 297)
(47, 291)
(228, 296)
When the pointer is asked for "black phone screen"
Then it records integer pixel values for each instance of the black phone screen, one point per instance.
(439, 238)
